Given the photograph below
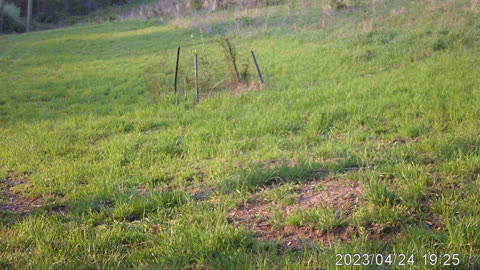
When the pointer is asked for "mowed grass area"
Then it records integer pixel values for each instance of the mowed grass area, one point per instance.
(385, 96)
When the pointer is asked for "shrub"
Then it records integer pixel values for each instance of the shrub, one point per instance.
(12, 22)
(378, 194)
(196, 4)
(439, 44)
(338, 4)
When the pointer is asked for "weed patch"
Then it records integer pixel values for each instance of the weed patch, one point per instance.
(318, 214)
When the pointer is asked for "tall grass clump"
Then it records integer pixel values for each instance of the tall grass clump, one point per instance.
(239, 78)
(321, 218)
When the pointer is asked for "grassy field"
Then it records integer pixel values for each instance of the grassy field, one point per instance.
(365, 139)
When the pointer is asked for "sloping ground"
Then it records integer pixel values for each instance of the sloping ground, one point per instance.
(370, 113)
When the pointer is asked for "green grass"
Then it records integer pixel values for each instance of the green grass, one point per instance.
(399, 99)
(320, 218)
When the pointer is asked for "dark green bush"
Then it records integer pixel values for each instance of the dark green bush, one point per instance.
(338, 4)
(196, 4)
(12, 22)
(55, 11)
(439, 44)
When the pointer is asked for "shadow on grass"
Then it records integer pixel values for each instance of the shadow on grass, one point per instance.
(260, 175)
(98, 210)
(8, 218)
(129, 206)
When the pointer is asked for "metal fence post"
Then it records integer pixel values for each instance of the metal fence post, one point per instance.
(258, 68)
(176, 70)
(195, 63)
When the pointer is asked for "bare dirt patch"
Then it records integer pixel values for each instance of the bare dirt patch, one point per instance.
(338, 195)
(11, 201)
(240, 88)
(398, 142)
(341, 196)
(201, 193)
(435, 223)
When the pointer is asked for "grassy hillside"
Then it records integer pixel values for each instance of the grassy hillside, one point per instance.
(365, 139)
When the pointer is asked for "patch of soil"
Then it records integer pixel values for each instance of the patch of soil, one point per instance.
(61, 209)
(201, 193)
(399, 141)
(435, 223)
(11, 201)
(239, 88)
(275, 163)
(142, 191)
(340, 196)
(381, 232)
(295, 236)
